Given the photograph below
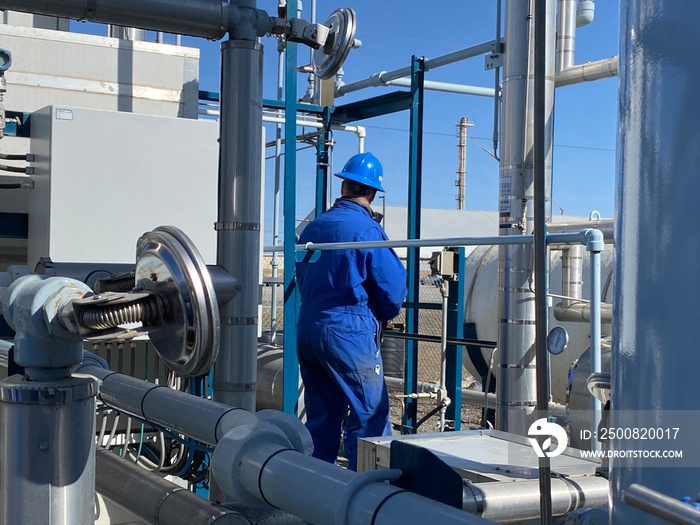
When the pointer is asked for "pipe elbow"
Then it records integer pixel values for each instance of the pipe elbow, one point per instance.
(594, 240)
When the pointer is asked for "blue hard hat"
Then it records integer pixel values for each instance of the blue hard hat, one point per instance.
(364, 168)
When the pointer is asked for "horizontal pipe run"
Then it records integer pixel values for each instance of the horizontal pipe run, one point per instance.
(302, 123)
(561, 238)
(437, 339)
(154, 499)
(383, 77)
(660, 505)
(446, 87)
(201, 419)
(469, 397)
(520, 500)
(203, 18)
(606, 227)
(581, 312)
(285, 479)
(588, 72)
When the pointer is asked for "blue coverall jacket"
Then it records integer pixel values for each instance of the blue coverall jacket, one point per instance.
(345, 295)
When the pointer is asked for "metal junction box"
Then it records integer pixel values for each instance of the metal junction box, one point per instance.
(103, 178)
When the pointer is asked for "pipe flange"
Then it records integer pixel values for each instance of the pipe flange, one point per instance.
(230, 453)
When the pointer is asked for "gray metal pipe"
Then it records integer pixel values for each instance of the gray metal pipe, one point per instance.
(660, 505)
(199, 418)
(581, 312)
(204, 18)
(285, 479)
(239, 216)
(383, 77)
(520, 500)
(606, 227)
(588, 72)
(566, 34)
(154, 499)
(47, 446)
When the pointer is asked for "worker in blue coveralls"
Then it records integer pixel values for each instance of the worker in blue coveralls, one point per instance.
(346, 295)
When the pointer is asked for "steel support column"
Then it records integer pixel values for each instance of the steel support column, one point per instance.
(415, 176)
(290, 370)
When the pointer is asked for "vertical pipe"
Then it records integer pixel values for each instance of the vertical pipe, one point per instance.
(516, 379)
(572, 273)
(566, 34)
(238, 225)
(541, 255)
(290, 369)
(415, 183)
(47, 450)
(462, 156)
(497, 79)
(276, 197)
(595, 342)
(655, 307)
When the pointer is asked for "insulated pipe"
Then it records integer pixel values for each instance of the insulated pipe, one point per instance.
(516, 383)
(656, 294)
(606, 227)
(520, 500)
(284, 479)
(205, 18)
(154, 499)
(383, 77)
(588, 72)
(571, 274)
(580, 312)
(566, 34)
(239, 215)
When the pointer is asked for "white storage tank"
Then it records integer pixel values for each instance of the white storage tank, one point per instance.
(481, 312)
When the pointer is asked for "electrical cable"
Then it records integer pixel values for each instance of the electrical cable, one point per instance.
(28, 157)
(15, 169)
(113, 432)
(127, 438)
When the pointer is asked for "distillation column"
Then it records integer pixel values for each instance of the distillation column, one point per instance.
(655, 342)
(516, 311)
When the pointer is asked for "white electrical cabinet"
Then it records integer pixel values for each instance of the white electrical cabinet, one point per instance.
(103, 178)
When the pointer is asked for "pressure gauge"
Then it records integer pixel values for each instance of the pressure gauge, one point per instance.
(557, 340)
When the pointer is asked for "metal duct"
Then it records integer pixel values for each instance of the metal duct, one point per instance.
(205, 18)
(520, 500)
(152, 498)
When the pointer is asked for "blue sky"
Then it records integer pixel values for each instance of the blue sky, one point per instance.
(391, 32)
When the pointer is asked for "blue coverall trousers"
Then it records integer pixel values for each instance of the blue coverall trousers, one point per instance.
(341, 367)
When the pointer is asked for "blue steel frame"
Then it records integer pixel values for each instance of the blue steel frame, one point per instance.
(290, 362)
(415, 182)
